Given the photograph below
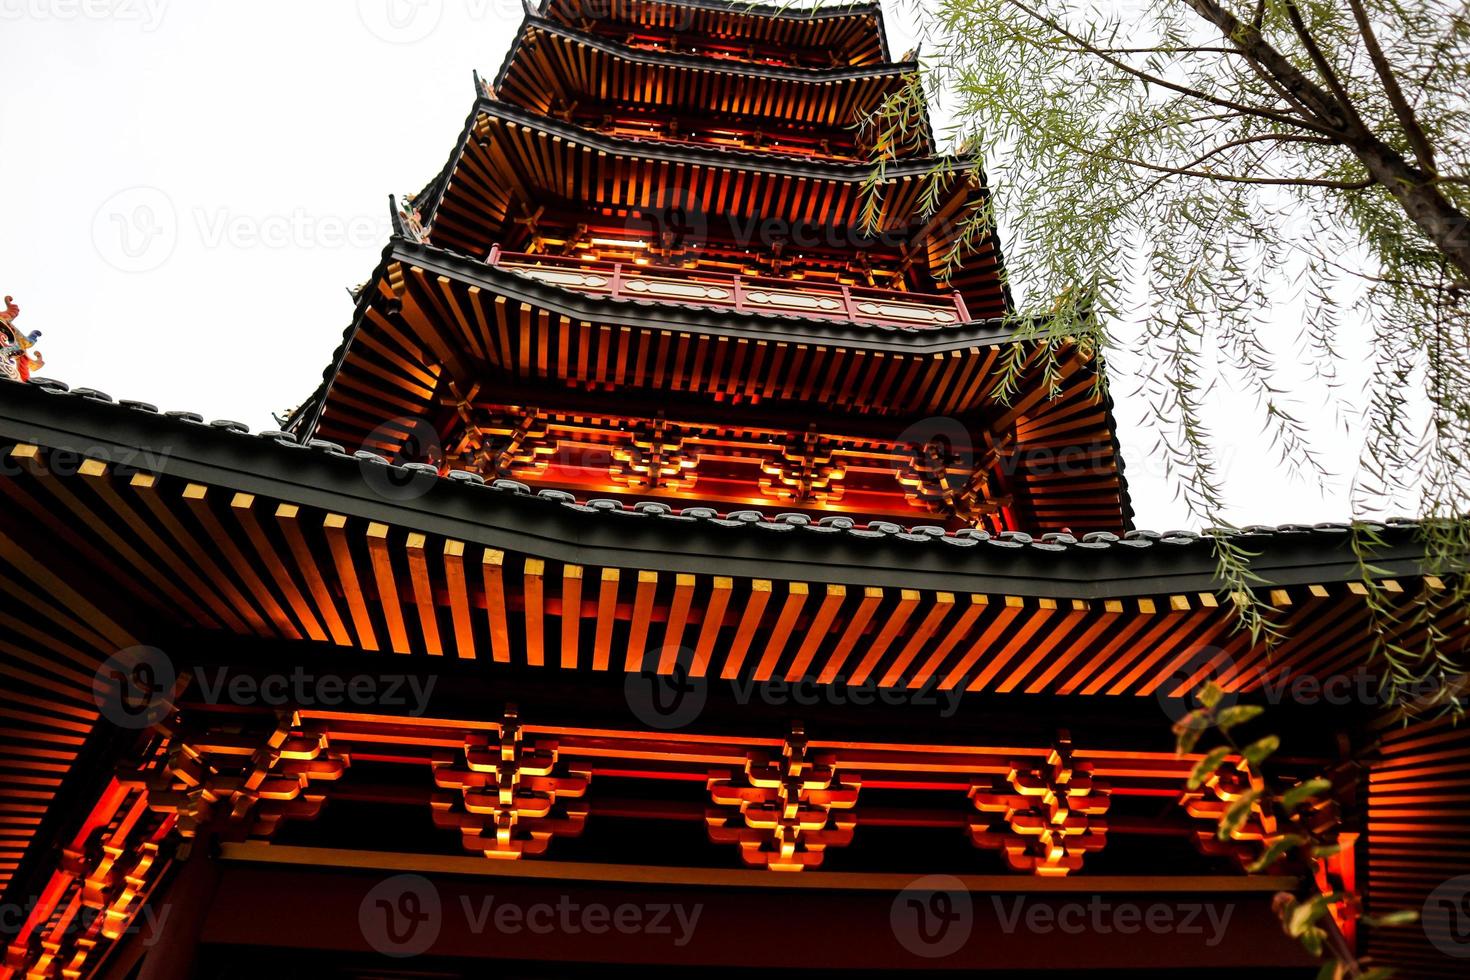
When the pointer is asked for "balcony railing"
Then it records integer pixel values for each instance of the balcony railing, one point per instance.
(745, 294)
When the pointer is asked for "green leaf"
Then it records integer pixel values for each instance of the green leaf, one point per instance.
(1328, 971)
(1257, 752)
(1402, 917)
(1312, 940)
(1326, 850)
(1188, 729)
(1305, 914)
(1204, 767)
(1238, 715)
(1272, 854)
(1209, 695)
(1377, 973)
(1237, 815)
(1302, 792)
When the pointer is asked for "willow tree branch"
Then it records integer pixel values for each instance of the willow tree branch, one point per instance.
(1341, 185)
(1435, 215)
(1286, 119)
(1274, 138)
(1423, 150)
(1324, 67)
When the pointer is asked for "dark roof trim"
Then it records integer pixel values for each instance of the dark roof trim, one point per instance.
(720, 159)
(550, 525)
(699, 319)
(728, 159)
(811, 76)
(784, 12)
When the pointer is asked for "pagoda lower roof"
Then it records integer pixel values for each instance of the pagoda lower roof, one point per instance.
(430, 317)
(125, 523)
(85, 423)
(548, 61)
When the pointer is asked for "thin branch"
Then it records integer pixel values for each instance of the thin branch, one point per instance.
(1263, 138)
(1341, 185)
(1423, 150)
(1324, 67)
(1194, 93)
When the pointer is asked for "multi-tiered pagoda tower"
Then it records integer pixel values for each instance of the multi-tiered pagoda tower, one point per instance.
(677, 535)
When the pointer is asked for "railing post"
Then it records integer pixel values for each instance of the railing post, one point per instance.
(847, 303)
(959, 305)
(617, 279)
(494, 258)
(739, 296)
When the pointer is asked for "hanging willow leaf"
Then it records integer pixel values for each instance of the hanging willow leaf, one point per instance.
(1279, 847)
(1401, 917)
(1206, 766)
(1305, 914)
(1238, 715)
(1237, 814)
(1302, 792)
(1188, 729)
(1257, 752)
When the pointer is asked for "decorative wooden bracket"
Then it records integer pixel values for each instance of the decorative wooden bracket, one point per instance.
(655, 458)
(804, 471)
(1053, 813)
(786, 817)
(507, 798)
(244, 780)
(1262, 827)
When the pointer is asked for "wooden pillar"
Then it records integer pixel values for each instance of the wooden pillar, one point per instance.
(172, 950)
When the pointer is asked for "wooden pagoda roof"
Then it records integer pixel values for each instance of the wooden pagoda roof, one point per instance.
(852, 32)
(430, 317)
(508, 157)
(548, 62)
(132, 526)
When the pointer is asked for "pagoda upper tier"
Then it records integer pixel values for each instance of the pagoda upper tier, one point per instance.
(529, 183)
(660, 263)
(614, 88)
(824, 36)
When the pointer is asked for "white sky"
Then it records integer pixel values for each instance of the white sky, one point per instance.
(191, 186)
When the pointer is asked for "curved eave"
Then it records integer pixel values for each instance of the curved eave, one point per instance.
(720, 158)
(701, 320)
(433, 316)
(509, 157)
(735, 70)
(806, 26)
(324, 477)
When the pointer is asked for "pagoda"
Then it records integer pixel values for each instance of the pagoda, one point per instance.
(684, 562)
